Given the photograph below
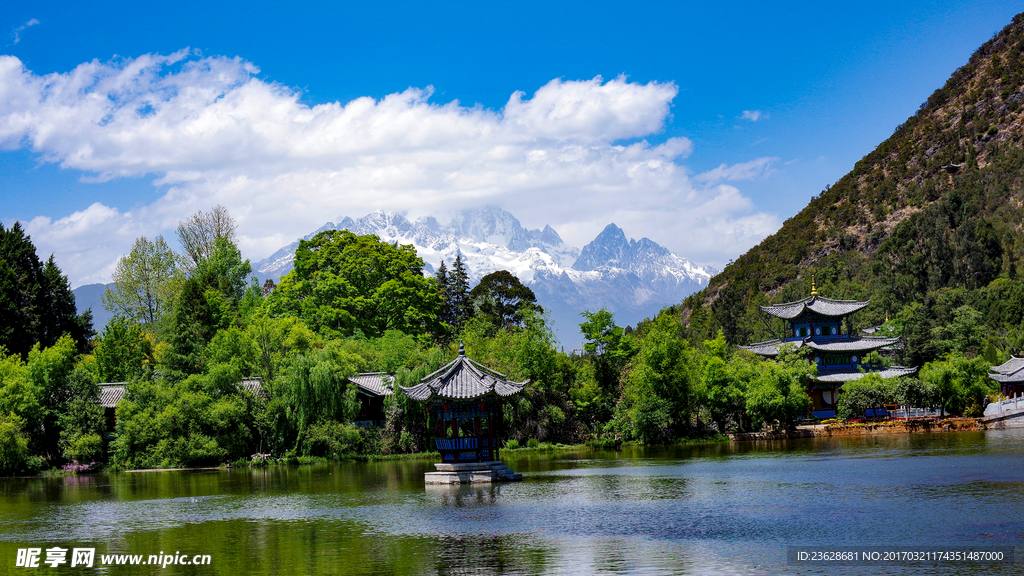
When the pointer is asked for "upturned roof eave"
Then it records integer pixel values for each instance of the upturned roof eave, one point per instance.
(791, 310)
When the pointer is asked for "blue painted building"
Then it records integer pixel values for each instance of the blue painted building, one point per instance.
(821, 327)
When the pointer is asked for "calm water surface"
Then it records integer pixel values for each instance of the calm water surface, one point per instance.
(719, 509)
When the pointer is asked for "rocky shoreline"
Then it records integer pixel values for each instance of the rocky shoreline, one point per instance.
(916, 426)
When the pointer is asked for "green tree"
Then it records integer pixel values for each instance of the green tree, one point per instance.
(193, 423)
(36, 303)
(82, 421)
(866, 393)
(446, 313)
(960, 384)
(345, 284)
(503, 300)
(778, 394)
(144, 282)
(607, 351)
(13, 444)
(964, 335)
(224, 270)
(51, 370)
(20, 396)
(659, 388)
(458, 294)
(317, 388)
(720, 391)
(122, 352)
(915, 393)
(192, 327)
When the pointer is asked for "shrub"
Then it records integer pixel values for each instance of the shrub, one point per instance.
(331, 438)
(13, 445)
(84, 448)
(532, 443)
(512, 444)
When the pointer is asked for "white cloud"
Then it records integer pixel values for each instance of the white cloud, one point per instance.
(757, 168)
(753, 115)
(212, 132)
(16, 33)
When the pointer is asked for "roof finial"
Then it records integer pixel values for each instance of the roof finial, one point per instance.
(462, 349)
(814, 289)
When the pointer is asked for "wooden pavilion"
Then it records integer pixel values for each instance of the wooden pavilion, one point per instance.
(466, 401)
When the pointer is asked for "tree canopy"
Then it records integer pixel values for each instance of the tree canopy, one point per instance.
(503, 300)
(36, 303)
(144, 282)
(345, 284)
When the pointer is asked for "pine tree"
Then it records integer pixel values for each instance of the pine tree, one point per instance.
(462, 307)
(36, 303)
(444, 289)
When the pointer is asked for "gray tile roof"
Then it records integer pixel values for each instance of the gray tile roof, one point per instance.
(851, 344)
(771, 347)
(890, 372)
(1015, 377)
(1010, 371)
(1011, 366)
(463, 379)
(823, 306)
(375, 383)
(111, 393)
(253, 386)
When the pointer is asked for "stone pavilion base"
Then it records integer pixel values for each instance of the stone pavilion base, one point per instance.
(471, 473)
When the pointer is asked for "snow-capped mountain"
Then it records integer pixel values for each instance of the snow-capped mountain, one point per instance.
(631, 278)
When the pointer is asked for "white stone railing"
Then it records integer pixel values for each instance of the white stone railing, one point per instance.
(1005, 406)
(906, 413)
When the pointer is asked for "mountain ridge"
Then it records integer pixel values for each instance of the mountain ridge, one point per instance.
(632, 278)
(935, 207)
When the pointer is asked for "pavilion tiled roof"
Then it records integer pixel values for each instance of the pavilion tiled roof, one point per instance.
(1015, 377)
(1010, 371)
(771, 347)
(375, 383)
(111, 393)
(1011, 366)
(463, 379)
(823, 306)
(846, 376)
(851, 344)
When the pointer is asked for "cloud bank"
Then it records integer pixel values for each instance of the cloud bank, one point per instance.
(210, 131)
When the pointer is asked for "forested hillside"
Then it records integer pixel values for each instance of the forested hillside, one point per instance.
(927, 223)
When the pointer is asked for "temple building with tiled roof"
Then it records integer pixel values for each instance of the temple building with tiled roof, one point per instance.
(1010, 375)
(820, 328)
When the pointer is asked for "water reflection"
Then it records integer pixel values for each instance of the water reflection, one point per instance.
(721, 508)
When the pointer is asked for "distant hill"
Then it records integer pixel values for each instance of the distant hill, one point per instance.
(89, 296)
(933, 215)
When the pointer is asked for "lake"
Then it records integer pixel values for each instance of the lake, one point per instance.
(727, 508)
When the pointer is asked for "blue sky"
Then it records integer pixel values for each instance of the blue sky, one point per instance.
(708, 126)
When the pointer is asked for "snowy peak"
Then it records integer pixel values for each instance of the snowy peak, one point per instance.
(632, 278)
(496, 226)
(613, 250)
(608, 249)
